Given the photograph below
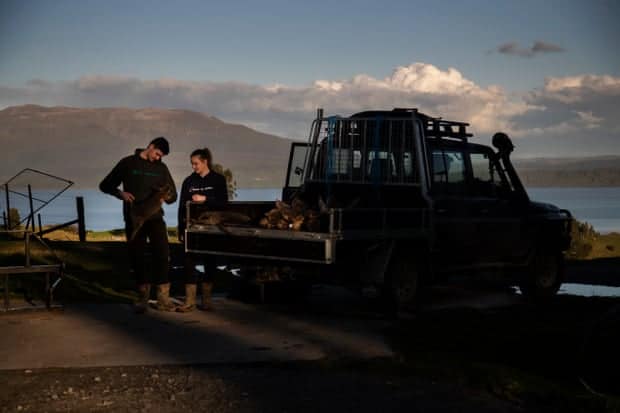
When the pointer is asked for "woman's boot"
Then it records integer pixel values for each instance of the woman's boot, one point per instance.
(207, 303)
(190, 299)
(163, 298)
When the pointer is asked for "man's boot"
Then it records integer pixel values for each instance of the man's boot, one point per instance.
(142, 304)
(163, 298)
(190, 299)
(207, 303)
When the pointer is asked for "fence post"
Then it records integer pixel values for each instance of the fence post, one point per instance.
(8, 208)
(31, 218)
(80, 211)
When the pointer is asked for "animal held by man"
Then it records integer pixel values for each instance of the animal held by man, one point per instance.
(141, 212)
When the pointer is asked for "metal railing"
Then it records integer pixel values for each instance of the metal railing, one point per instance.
(28, 268)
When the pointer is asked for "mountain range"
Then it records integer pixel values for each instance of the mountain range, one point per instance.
(83, 144)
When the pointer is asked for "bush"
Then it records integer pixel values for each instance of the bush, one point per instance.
(230, 182)
(583, 236)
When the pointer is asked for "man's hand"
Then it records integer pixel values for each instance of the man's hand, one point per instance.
(181, 237)
(126, 196)
(199, 198)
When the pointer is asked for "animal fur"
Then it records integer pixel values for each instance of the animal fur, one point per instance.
(297, 217)
(143, 211)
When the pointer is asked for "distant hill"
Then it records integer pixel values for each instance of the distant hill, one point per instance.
(545, 172)
(82, 145)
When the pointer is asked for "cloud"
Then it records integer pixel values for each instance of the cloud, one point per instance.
(282, 109)
(564, 109)
(539, 47)
(583, 110)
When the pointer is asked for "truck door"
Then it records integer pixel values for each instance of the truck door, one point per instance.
(499, 218)
(455, 238)
(295, 170)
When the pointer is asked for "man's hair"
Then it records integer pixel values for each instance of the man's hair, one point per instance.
(161, 143)
(204, 154)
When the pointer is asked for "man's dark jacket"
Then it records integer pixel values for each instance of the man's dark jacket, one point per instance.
(141, 178)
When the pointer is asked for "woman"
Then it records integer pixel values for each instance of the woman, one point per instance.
(205, 186)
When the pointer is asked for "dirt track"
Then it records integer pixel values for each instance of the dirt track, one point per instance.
(493, 354)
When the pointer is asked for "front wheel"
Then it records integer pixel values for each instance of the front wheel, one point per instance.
(544, 276)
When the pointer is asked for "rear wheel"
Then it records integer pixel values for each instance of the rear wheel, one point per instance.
(544, 276)
(402, 282)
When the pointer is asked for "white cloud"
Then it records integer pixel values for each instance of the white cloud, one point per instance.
(564, 105)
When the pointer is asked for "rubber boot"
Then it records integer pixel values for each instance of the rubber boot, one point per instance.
(163, 298)
(207, 302)
(190, 299)
(142, 304)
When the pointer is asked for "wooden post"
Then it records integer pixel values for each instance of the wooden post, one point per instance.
(6, 226)
(31, 217)
(81, 225)
(27, 247)
(6, 291)
(40, 226)
(8, 207)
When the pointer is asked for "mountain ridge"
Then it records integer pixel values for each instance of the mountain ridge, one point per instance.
(89, 141)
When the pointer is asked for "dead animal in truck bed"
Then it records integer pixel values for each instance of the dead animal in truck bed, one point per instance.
(221, 217)
(294, 217)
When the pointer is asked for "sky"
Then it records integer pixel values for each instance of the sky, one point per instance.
(547, 73)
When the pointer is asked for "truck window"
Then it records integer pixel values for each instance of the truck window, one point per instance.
(486, 180)
(366, 151)
(340, 162)
(448, 166)
(296, 165)
(448, 174)
(381, 164)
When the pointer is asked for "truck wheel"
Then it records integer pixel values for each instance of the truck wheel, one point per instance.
(544, 276)
(401, 286)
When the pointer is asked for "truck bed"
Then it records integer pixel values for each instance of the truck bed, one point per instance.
(337, 225)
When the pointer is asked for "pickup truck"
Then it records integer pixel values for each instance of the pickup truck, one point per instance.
(402, 199)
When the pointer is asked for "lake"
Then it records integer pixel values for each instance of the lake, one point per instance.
(599, 206)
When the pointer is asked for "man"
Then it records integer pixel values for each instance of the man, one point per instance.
(143, 175)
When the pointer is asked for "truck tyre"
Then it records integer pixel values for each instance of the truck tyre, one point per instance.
(544, 276)
(402, 280)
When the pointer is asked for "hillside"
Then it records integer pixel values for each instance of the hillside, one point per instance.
(569, 172)
(82, 145)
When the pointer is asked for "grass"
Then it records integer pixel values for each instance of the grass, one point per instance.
(71, 234)
(605, 246)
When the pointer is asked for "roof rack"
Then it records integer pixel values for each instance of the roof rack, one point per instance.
(433, 127)
(439, 128)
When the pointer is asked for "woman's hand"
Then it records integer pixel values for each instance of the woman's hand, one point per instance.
(199, 198)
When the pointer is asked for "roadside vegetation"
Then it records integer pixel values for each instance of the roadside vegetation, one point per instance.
(589, 244)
